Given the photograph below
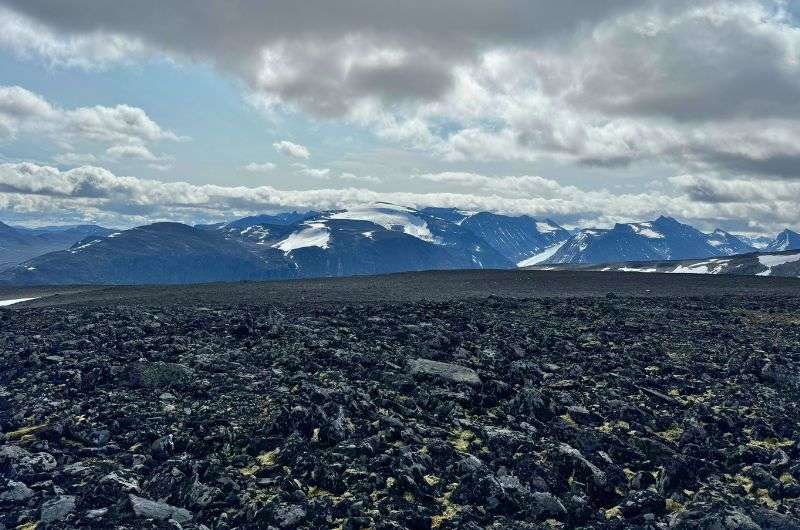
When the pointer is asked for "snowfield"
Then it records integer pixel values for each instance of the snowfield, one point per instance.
(541, 256)
(13, 301)
(391, 217)
(313, 235)
(773, 261)
(646, 230)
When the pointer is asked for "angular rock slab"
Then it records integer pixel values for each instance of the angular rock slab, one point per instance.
(158, 510)
(449, 372)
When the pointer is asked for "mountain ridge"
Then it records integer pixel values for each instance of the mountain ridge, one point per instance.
(369, 239)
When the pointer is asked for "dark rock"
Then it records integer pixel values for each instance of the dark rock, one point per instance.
(16, 492)
(159, 511)
(449, 372)
(57, 509)
(158, 375)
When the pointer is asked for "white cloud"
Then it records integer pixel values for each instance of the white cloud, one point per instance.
(96, 192)
(74, 159)
(360, 178)
(22, 111)
(255, 167)
(293, 150)
(319, 173)
(328, 174)
(132, 151)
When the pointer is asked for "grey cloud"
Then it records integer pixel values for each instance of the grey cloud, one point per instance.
(321, 41)
(722, 61)
(711, 85)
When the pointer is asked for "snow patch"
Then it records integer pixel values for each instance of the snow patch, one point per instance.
(691, 269)
(391, 217)
(713, 266)
(544, 227)
(773, 261)
(13, 301)
(646, 230)
(546, 254)
(84, 246)
(312, 235)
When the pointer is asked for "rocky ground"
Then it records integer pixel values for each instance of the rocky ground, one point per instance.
(605, 412)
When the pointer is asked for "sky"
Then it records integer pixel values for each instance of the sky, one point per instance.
(588, 113)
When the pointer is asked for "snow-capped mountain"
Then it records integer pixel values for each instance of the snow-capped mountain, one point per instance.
(517, 238)
(753, 264)
(664, 238)
(369, 239)
(757, 242)
(786, 240)
(728, 244)
(374, 239)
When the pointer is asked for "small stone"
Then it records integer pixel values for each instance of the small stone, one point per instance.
(547, 504)
(161, 511)
(289, 516)
(450, 372)
(96, 514)
(16, 492)
(56, 509)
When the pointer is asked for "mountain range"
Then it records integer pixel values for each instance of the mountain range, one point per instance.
(662, 239)
(374, 239)
(784, 263)
(18, 244)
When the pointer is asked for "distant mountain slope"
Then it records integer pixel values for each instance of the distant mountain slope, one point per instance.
(728, 244)
(786, 240)
(18, 244)
(517, 238)
(369, 240)
(286, 219)
(664, 238)
(757, 242)
(156, 253)
(757, 263)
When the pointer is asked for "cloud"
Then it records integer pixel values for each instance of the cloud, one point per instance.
(715, 190)
(293, 150)
(328, 174)
(500, 185)
(74, 159)
(96, 49)
(22, 111)
(319, 173)
(318, 55)
(598, 83)
(360, 178)
(132, 151)
(255, 167)
(96, 193)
